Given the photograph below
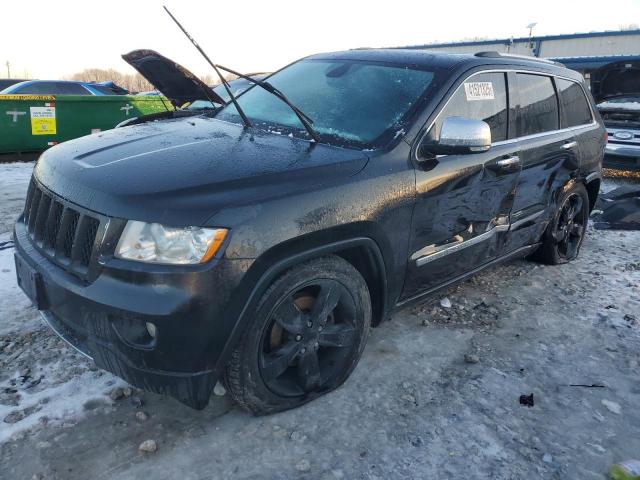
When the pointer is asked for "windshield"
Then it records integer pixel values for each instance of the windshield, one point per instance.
(236, 86)
(354, 102)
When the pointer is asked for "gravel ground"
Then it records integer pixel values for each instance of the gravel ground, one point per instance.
(436, 394)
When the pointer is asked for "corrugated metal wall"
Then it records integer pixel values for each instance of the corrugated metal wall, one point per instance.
(516, 48)
(591, 46)
(601, 43)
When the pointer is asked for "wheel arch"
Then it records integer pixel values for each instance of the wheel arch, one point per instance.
(592, 184)
(361, 251)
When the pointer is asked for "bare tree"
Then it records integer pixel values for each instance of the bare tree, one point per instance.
(132, 82)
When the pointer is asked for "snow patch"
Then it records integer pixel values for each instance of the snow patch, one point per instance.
(59, 401)
(17, 313)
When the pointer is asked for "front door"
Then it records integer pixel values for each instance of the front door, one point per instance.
(463, 202)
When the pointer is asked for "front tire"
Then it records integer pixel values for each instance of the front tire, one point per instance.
(565, 233)
(304, 339)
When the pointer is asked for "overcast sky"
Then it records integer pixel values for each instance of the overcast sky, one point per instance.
(52, 38)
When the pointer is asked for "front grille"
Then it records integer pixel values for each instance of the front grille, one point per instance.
(62, 232)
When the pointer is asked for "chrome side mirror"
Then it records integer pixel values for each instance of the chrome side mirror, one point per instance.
(459, 135)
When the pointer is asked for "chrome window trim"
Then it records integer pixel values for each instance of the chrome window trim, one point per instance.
(544, 134)
(516, 139)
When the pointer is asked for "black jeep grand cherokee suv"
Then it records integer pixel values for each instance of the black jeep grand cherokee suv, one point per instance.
(180, 252)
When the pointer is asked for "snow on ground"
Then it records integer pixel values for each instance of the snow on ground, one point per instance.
(16, 311)
(435, 395)
(38, 384)
(14, 180)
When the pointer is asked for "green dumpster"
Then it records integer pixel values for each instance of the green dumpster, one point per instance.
(33, 123)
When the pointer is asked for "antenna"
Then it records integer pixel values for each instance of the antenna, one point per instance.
(245, 120)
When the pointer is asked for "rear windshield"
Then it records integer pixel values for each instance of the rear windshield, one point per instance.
(353, 103)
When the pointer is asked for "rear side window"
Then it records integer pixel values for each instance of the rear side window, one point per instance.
(575, 107)
(45, 88)
(71, 89)
(538, 111)
(54, 88)
(480, 97)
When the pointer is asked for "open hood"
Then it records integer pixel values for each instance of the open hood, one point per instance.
(615, 80)
(174, 81)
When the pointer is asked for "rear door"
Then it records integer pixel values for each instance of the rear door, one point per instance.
(463, 201)
(576, 113)
(549, 156)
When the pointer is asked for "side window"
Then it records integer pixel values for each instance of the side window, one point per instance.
(575, 107)
(538, 111)
(44, 88)
(480, 97)
(70, 89)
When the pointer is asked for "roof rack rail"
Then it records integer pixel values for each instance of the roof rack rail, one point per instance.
(494, 54)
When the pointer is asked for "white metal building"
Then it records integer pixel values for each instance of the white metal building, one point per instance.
(584, 52)
(623, 42)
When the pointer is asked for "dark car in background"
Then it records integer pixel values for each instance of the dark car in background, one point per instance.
(259, 250)
(237, 86)
(7, 82)
(63, 87)
(616, 89)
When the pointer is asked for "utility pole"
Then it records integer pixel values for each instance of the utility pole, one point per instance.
(530, 27)
(8, 69)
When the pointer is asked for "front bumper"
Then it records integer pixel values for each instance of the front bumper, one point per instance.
(105, 319)
(620, 156)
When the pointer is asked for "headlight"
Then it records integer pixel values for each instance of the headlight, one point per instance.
(155, 243)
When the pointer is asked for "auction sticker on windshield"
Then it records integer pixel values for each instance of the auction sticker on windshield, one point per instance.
(479, 91)
(43, 120)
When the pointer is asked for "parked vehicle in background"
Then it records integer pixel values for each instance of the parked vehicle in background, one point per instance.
(63, 87)
(31, 123)
(7, 82)
(616, 89)
(238, 85)
(259, 249)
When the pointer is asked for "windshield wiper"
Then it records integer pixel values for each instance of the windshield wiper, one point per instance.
(245, 120)
(304, 119)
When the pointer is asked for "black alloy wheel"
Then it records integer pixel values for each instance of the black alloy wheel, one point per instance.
(304, 339)
(311, 336)
(563, 237)
(570, 227)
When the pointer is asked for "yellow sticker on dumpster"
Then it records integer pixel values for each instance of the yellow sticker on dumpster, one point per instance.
(43, 120)
(44, 98)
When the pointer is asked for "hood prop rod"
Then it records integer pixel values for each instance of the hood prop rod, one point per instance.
(245, 120)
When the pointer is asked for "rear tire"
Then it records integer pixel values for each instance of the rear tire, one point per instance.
(304, 339)
(562, 239)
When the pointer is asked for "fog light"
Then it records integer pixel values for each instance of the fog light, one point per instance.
(151, 329)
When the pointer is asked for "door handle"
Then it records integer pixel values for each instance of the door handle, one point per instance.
(508, 162)
(569, 145)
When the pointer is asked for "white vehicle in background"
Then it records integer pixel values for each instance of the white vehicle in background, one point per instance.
(616, 89)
